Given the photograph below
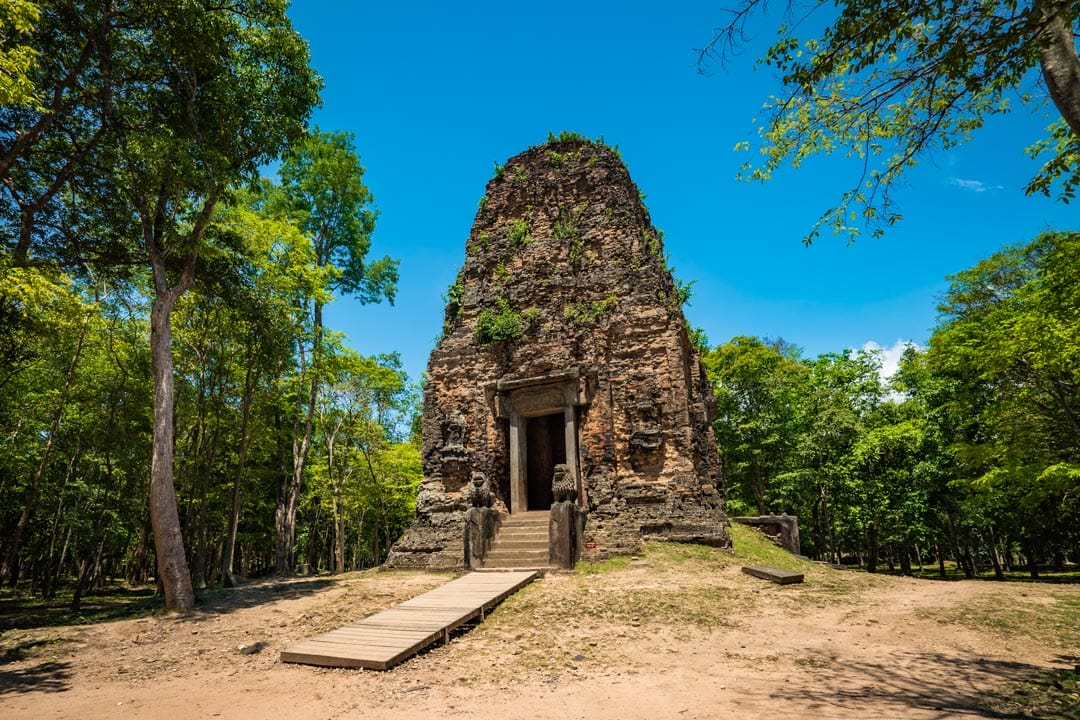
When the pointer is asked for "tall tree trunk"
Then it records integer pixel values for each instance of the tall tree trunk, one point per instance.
(1058, 59)
(285, 518)
(905, 559)
(871, 549)
(227, 577)
(172, 565)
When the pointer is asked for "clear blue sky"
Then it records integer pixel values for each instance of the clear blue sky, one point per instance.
(436, 92)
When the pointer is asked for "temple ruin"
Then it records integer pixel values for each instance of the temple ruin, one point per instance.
(564, 343)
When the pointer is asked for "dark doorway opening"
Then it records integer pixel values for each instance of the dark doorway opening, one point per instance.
(545, 446)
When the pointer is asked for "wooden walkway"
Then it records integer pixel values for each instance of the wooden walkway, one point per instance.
(385, 639)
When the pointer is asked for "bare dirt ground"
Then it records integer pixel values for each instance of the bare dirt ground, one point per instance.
(678, 634)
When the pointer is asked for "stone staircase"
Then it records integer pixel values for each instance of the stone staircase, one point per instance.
(522, 543)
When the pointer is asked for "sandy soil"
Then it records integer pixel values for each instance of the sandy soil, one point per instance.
(653, 640)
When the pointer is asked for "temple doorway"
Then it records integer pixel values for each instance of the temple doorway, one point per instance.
(545, 447)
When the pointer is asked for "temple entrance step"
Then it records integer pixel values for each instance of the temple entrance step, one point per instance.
(522, 543)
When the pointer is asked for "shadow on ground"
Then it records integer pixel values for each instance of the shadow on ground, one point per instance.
(942, 686)
(18, 613)
(43, 677)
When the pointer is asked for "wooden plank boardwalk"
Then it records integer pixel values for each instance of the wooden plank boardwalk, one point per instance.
(387, 638)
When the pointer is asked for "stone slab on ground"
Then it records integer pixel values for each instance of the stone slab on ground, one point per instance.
(772, 574)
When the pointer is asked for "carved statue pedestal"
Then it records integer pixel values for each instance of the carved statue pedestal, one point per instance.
(566, 533)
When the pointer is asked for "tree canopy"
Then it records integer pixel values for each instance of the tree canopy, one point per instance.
(889, 82)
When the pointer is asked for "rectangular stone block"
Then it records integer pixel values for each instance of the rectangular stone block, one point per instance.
(776, 575)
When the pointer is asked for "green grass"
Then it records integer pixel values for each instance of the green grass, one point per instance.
(1011, 614)
(22, 611)
(753, 548)
(1055, 694)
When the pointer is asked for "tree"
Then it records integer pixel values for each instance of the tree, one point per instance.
(756, 383)
(887, 83)
(323, 193)
(175, 104)
(1010, 338)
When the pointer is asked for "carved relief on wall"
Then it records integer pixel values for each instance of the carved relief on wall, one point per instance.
(454, 454)
(647, 433)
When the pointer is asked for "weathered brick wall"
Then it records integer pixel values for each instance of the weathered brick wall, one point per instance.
(563, 244)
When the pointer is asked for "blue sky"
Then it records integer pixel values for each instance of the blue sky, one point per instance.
(437, 92)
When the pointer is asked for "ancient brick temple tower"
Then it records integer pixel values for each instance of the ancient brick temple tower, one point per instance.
(564, 342)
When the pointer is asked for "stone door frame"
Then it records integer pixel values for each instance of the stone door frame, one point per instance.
(517, 400)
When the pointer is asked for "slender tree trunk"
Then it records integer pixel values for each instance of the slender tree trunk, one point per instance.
(227, 577)
(905, 559)
(940, 559)
(285, 519)
(1033, 563)
(871, 549)
(172, 565)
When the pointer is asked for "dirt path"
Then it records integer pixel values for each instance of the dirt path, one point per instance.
(654, 640)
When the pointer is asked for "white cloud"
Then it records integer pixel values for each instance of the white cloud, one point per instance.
(974, 185)
(890, 356)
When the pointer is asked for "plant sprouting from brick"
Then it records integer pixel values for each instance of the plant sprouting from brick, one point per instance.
(653, 243)
(567, 225)
(556, 159)
(500, 170)
(567, 136)
(503, 323)
(519, 232)
(453, 294)
(502, 274)
(564, 229)
(683, 290)
(584, 313)
(483, 202)
(452, 298)
(520, 173)
(577, 252)
(483, 239)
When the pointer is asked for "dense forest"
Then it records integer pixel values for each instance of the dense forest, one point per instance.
(171, 402)
(174, 408)
(970, 452)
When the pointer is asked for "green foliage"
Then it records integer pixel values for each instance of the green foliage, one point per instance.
(1005, 357)
(501, 274)
(518, 233)
(587, 313)
(699, 339)
(682, 293)
(973, 453)
(888, 84)
(566, 136)
(322, 192)
(17, 56)
(500, 170)
(519, 173)
(499, 324)
(453, 294)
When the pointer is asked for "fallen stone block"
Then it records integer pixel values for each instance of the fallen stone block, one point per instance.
(776, 575)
